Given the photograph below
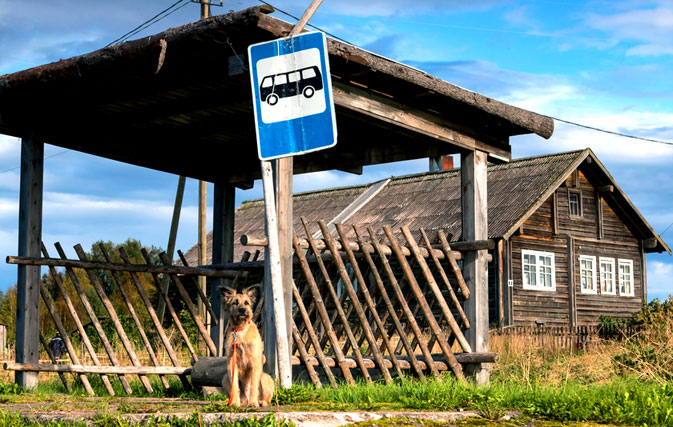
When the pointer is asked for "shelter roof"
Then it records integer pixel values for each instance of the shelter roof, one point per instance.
(180, 101)
(431, 200)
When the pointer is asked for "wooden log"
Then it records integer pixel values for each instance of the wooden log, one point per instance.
(405, 362)
(126, 343)
(169, 305)
(391, 311)
(132, 311)
(455, 366)
(190, 306)
(369, 303)
(403, 302)
(447, 283)
(322, 312)
(311, 333)
(439, 297)
(64, 336)
(202, 295)
(301, 346)
(93, 369)
(94, 319)
(339, 308)
(248, 240)
(140, 268)
(446, 247)
(30, 232)
(348, 284)
(65, 382)
(154, 316)
(75, 317)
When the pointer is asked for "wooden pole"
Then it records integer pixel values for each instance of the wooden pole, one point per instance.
(475, 265)
(276, 310)
(94, 319)
(155, 318)
(203, 188)
(75, 317)
(131, 370)
(126, 343)
(28, 279)
(175, 221)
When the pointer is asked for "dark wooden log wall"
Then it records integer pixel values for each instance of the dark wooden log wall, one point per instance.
(608, 238)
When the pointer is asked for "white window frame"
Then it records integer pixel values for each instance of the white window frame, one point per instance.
(601, 273)
(539, 271)
(628, 262)
(594, 289)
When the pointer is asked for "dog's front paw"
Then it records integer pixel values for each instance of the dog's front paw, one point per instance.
(253, 404)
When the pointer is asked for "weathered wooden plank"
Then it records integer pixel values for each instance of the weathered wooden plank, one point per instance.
(28, 278)
(475, 264)
(93, 369)
(138, 268)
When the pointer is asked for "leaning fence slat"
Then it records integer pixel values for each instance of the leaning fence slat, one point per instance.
(155, 319)
(448, 252)
(65, 382)
(455, 366)
(439, 297)
(75, 317)
(445, 279)
(126, 343)
(202, 294)
(94, 320)
(301, 346)
(190, 306)
(339, 309)
(343, 274)
(411, 320)
(391, 311)
(170, 307)
(362, 285)
(311, 334)
(148, 346)
(64, 336)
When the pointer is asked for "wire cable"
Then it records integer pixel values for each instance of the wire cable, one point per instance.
(49, 157)
(308, 25)
(658, 141)
(156, 18)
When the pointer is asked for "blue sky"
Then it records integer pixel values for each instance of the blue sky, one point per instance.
(607, 64)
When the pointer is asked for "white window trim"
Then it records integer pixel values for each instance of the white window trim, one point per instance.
(593, 268)
(610, 261)
(537, 271)
(628, 262)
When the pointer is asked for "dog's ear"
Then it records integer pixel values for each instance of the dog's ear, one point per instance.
(228, 293)
(251, 291)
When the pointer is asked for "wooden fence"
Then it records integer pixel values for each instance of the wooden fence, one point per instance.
(365, 304)
(576, 337)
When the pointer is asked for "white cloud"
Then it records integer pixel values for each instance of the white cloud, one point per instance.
(659, 279)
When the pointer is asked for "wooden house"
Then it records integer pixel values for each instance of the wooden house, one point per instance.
(569, 244)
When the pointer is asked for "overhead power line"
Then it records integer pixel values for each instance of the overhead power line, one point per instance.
(658, 141)
(153, 20)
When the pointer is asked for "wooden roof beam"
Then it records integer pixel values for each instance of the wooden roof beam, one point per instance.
(400, 115)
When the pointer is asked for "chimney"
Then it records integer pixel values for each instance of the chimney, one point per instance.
(441, 163)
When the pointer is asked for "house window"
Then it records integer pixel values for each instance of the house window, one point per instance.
(538, 270)
(607, 272)
(575, 203)
(588, 274)
(626, 277)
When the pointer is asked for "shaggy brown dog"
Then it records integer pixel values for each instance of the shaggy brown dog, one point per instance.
(244, 381)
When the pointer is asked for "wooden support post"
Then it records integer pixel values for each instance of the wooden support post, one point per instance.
(475, 265)
(201, 307)
(175, 221)
(283, 169)
(30, 237)
(275, 316)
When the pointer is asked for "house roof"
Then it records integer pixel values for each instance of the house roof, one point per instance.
(172, 100)
(431, 200)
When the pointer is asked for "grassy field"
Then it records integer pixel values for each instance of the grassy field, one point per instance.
(625, 381)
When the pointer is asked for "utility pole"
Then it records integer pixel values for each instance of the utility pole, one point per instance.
(203, 190)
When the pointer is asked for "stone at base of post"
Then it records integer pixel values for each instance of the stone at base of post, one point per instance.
(478, 372)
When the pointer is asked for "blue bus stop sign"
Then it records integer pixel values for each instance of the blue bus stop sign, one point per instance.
(292, 96)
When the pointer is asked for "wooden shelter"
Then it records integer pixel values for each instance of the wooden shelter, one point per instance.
(179, 101)
(552, 208)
